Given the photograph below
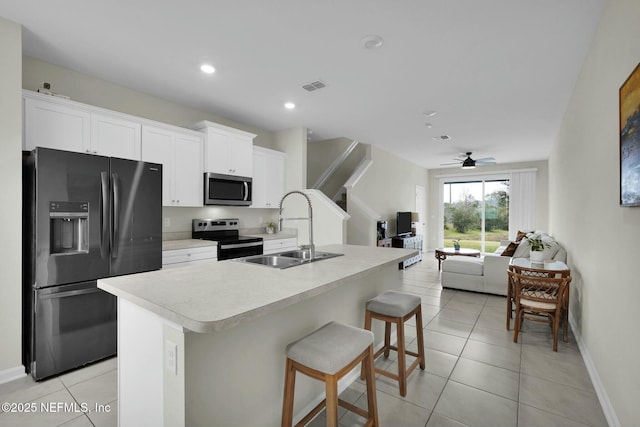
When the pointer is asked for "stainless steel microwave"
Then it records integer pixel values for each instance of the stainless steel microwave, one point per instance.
(230, 190)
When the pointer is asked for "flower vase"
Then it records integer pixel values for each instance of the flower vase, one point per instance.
(536, 257)
(456, 247)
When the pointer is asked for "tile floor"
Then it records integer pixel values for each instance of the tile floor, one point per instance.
(475, 375)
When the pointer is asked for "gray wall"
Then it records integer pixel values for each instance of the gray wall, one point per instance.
(11, 177)
(600, 236)
(101, 93)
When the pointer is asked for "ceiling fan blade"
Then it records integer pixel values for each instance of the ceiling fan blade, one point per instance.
(485, 162)
(447, 164)
(486, 159)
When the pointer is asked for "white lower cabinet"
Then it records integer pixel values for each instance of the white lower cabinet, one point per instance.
(180, 257)
(181, 156)
(272, 246)
(268, 178)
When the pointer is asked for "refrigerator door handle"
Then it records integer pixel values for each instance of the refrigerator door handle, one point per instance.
(104, 213)
(116, 215)
(66, 294)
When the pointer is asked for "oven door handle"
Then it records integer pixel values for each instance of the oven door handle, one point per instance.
(239, 245)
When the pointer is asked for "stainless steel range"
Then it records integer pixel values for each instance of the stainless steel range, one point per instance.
(226, 233)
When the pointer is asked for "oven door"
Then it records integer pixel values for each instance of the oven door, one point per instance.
(238, 249)
(73, 325)
(229, 190)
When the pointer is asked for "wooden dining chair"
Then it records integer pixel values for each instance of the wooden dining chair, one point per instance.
(539, 299)
(536, 272)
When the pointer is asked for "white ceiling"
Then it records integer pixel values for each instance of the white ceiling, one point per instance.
(498, 72)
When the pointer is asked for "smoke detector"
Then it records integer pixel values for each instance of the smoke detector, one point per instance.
(442, 138)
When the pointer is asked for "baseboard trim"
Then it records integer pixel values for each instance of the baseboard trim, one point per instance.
(11, 374)
(601, 392)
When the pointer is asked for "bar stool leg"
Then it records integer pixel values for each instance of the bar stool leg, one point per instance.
(402, 369)
(419, 332)
(331, 386)
(387, 339)
(289, 388)
(372, 404)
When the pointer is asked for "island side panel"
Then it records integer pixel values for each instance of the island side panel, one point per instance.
(139, 366)
(149, 392)
(235, 377)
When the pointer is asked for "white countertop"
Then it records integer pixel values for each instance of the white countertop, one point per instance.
(273, 236)
(216, 295)
(171, 245)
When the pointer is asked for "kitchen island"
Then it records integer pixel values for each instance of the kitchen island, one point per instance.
(203, 345)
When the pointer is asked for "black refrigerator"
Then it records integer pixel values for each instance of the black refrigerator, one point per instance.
(85, 217)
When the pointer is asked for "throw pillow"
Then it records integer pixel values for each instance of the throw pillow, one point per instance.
(511, 249)
(521, 234)
(522, 251)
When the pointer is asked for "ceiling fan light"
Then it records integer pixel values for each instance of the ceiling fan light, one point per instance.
(468, 163)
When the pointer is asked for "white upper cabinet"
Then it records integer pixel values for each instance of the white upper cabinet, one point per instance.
(53, 125)
(180, 153)
(227, 150)
(68, 125)
(115, 137)
(268, 177)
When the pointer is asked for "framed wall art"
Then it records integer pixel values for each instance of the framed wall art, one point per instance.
(630, 140)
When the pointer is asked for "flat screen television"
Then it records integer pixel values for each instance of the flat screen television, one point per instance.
(403, 223)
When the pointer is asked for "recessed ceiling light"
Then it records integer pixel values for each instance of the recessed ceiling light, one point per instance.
(289, 105)
(372, 42)
(207, 68)
(430, 113)
(428, 125)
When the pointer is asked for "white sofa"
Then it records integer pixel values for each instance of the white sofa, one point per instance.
(489, 273)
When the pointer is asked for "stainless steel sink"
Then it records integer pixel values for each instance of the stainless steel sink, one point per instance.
(287, 259)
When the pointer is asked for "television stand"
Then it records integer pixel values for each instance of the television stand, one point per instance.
(408, 242)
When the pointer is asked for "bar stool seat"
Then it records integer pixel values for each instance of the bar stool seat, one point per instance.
(394, 307)
(328, 354)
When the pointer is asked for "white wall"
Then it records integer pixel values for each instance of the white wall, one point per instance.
(11, 213)
(387, 187)
(433, 193)
(294, 143)
(600, 236)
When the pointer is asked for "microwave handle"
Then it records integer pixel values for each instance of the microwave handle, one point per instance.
(246, 191)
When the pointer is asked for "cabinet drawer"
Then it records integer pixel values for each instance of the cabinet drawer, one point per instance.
(178, 256)
(279, 245)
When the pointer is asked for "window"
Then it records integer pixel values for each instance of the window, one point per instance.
(476, 213)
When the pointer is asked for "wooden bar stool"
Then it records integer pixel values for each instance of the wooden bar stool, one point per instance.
(397, 307)
(328, 354)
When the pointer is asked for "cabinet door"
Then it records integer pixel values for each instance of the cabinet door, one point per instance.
(115, 137)
(275, 179)
(188, 170)
(158, 146)
(240, 155)
(217, 152)
(259, 186)
(47, 124)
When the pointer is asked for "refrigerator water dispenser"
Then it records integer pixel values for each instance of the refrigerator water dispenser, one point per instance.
(69, 225)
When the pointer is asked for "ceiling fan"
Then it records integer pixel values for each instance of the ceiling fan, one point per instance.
(469, 163)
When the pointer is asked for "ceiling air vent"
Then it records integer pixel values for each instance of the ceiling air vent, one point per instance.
(310, 87)
(442, 138)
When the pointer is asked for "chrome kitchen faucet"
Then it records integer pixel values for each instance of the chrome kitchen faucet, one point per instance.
(310, 247)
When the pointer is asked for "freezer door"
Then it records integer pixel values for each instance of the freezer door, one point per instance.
(73, 325)
(68, 217)
(136, 240)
